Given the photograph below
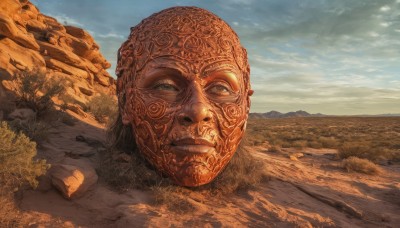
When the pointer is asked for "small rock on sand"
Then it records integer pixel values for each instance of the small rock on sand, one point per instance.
(73, 178)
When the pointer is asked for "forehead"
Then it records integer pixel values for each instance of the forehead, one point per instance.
(200, 67)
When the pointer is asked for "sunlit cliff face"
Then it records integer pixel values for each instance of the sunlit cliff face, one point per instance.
(183, 85)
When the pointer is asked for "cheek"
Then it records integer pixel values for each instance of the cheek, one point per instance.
(155, 112)
(230, 117)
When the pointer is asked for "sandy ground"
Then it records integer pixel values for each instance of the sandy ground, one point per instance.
(311, 192)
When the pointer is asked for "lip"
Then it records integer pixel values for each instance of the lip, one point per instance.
(193, 145)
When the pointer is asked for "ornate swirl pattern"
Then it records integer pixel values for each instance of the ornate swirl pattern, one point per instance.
(196, 39)
(156, 110)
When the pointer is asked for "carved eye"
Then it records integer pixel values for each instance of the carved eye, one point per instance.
(166, 85)
(220, 89)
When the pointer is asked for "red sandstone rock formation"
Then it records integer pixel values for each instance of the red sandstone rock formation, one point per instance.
(29, 39)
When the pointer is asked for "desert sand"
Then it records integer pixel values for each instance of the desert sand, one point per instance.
(310, 191)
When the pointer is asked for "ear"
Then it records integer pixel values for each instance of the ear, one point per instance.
(250, 92)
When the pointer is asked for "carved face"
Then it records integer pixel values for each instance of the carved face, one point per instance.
(184, 90)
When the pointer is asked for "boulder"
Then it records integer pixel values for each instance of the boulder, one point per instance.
(73, 177)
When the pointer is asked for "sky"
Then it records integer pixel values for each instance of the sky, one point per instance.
(338, 57)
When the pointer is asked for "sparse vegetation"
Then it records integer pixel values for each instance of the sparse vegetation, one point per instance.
(36, 130)
(125, 171)
(360, 165)
(103, 107)
(373, 138)
(173, 197)
(242, 173)
(17, 169)
(35, 91)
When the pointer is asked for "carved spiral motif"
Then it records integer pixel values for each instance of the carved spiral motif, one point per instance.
(232, 111)
(193, 37)
(164, 40)
(194, 44)
(156, 110)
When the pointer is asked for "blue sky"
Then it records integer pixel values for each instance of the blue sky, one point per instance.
(327, 56)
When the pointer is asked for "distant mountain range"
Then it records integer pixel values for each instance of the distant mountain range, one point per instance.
(275, 114)
(301, 113)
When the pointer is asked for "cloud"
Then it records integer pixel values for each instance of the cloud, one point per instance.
(66, 20)
(335, 57)
(111, 35)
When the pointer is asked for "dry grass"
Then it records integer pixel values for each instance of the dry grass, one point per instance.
(361, 165)
(241, 174)
(374, 138)
(175, 198)
(10, 216)
(103, 107)
(130, 171)
(125, 171)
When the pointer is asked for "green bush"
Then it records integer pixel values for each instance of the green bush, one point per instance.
(17, 165)
(103, 107)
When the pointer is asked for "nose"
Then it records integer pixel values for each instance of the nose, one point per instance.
(196, 110)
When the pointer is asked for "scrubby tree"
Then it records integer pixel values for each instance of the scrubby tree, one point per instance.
(17, 163)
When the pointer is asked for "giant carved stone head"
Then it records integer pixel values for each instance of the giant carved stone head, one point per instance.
(183, 88)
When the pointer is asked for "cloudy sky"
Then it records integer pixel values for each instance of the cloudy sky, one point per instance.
(327, 56)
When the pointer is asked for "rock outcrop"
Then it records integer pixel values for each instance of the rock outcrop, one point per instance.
(30, 40)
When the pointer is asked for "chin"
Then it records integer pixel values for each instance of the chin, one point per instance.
(194, 177)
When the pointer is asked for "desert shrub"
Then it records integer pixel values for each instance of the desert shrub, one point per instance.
(68, 99)
(257, 139)
(315, 144)
(103, 108)
(275, 142)
(353, 149)
(363, 150)
(274, 149)
(286, 144)
(36, 130)
(328, 142)
(34, 91)
(299, 144)
(17, 168)
(361, 165)
(17, 165)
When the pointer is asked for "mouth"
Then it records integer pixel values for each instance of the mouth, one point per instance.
(193, 146)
